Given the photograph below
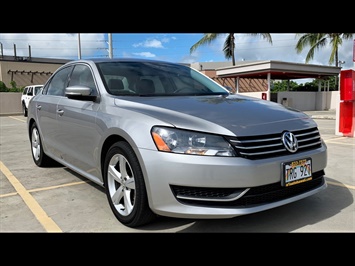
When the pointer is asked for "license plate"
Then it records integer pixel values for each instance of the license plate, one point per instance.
(296, 172)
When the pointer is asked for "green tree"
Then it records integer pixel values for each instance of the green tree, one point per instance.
(2, 87)
(283, 85)
(229, 45)
(319, 40)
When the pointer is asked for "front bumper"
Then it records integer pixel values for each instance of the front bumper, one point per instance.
(185, 186)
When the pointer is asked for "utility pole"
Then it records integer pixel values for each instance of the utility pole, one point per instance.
(79, 47)
(110, 49)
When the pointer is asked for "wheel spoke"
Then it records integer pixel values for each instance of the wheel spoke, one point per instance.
(123, 169)
(127, 201)
(37, 151)
(130, 184)
(117, 196)
(114, 174)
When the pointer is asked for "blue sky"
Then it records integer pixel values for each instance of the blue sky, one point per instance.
(173, 47)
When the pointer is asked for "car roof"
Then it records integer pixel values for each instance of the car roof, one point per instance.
(36, 85)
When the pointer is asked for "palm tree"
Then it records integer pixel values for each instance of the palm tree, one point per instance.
(229, 44)
(319, 40)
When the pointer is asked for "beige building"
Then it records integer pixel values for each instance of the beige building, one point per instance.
(26, 70)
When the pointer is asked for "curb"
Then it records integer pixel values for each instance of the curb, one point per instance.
(322, 117)
(10, 114)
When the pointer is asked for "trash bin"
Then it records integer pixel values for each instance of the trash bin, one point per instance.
(285, 101)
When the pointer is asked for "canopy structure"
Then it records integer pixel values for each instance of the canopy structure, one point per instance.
(276, 70)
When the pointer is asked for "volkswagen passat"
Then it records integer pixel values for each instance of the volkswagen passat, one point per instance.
(165, 140)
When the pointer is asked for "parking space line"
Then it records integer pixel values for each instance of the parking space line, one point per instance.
(340, 185)
(46, 188)
(341, 143)
(59, 186)
(334, 140)
(18, 119)
(48, 224)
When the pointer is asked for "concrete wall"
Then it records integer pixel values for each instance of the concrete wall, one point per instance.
(305, 101)
(10, 103)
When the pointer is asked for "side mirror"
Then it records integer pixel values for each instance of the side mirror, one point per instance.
(79, 93)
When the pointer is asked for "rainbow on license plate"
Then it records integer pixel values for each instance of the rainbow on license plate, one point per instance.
(296, 172)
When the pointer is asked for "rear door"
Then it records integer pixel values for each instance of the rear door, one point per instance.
(47, 111)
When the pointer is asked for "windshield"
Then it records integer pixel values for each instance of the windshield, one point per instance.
(156, 79)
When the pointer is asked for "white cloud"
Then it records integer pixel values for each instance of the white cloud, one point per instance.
(150, 43)
(145, 54)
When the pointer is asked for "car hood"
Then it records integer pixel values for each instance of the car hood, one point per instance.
(230, 115)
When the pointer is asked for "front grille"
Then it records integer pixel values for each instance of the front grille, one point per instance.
(267, 146)
(199, 196)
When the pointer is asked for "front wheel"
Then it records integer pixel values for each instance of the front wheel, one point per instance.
(125, 187)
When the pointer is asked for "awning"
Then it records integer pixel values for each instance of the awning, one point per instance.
(277, 70)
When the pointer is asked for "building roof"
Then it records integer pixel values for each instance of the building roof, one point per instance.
(277, 69)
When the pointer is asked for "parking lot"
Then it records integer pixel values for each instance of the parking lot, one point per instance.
(55, 199)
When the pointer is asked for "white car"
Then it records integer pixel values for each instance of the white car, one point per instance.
(27, 94)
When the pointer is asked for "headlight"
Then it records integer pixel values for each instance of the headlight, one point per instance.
(189, 142)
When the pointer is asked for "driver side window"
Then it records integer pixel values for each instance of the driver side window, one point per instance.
(58, 82)
(82, 76)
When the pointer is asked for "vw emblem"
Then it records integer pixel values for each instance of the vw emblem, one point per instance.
(290, 142)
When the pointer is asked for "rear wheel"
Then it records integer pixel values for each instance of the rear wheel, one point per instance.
(24, 110)
(38, 155)
(125, 187)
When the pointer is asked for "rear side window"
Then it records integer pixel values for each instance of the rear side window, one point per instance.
(30, 91)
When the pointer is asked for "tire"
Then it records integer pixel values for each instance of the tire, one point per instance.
(124, 186)
(38, 155)
(24, 110)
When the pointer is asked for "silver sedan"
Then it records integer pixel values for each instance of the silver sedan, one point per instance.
(165, 140)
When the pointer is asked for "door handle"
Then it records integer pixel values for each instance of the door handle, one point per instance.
(38, 107)
(60, 112)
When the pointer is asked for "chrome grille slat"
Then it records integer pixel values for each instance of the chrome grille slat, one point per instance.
(309, 145)
(258, 147)
(303, 140)
(252, 141)
(267, 146)
(261, 153)
(308, 133)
